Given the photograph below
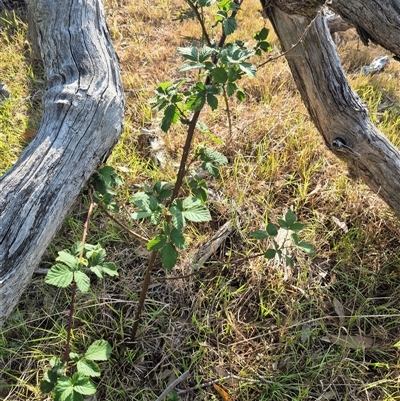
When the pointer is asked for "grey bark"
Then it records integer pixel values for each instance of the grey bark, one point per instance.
(337, 24)
(335, 109)
(376, 20)
(82, 121)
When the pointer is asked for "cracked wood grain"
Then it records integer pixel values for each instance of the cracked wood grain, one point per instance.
(82, 121)
(336, 110)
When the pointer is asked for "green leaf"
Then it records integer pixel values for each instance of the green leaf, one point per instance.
(189, 203)
(110, 269)
(205, 53)
(88, 367)
(189, 66)
(196, 101)
(234, 74)
(68, 259)
(197, 213)
(96, 255)
(212, 101)
(177, 238)
(82, 384)
(64, 389)
(59, 275)
(173, 396)
(282, 224)
(229, 25)
(259, 234)
(262, 35)
(295, 238)
(156, 243)
(241, 96)
(100, 350)
(140, 215)
(270, 253)
(208, 154)
(219, 75)
(272, 230)
(205, 3)
(162, 189)
(51, 375)
(169, 256)
(306, 247)
(248, 68)
(289, 261)
(74, 357)
(264, 46)
(200, 193)
(82, 281)
(296, 226)
(46, 387)
(55, 362)
(177, 218)
(149, 205)
(290, 217)
(77, 248)
(211, 169)
(189, 53)
(231, 88)
(171, 116)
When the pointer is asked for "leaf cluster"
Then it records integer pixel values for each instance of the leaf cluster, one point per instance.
(104, 181)
(77, 385)
(72, 262)
(220, 68)
(176, 216)
(293, 226)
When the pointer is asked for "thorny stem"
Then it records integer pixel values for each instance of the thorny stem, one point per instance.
(178, 184)
(195, 118)
(73, 285)
(228, 111)
(143, 294)
(201, 21)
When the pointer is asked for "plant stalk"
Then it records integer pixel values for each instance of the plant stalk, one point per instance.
(177, 187)
(143, 294)
(65, 357)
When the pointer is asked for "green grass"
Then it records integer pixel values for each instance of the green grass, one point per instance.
(275, 328)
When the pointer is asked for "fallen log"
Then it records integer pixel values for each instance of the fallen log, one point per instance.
(82, 121)
(336, 110)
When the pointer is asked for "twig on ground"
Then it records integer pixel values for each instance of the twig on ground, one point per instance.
(179, 379)
(220, 379)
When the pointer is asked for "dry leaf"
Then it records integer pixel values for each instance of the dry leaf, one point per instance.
(352, 342)
(340, 224)
(305, 333)
(223, 393)
(328, 395)
(29, 134)
(339, 309)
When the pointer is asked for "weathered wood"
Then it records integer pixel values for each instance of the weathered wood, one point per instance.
(82, 121)
(337, 24)
(334, 107)
(379, 20)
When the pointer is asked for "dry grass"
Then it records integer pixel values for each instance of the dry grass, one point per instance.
(323, 330)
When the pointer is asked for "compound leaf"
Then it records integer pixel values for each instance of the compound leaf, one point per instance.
(169, 256)
(59, 275)
(100, 350)
(82, 281)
